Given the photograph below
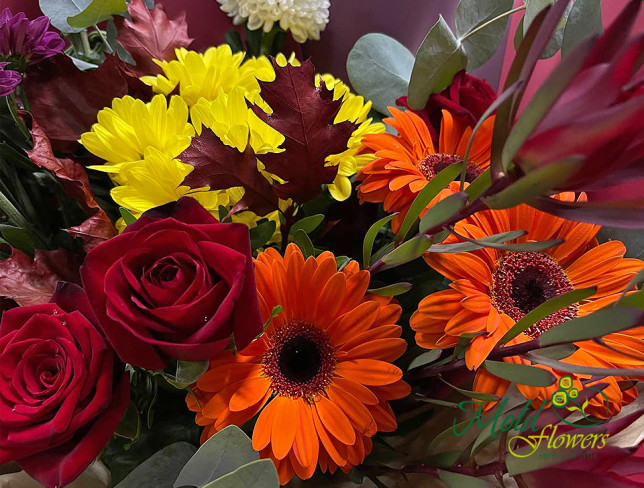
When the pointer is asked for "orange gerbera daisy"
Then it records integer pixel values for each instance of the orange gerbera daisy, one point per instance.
(492, 289)
(320, 376)
(407, 161)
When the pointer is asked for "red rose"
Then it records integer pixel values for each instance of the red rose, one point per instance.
(467, 97)
(62, 389)
(175, 284)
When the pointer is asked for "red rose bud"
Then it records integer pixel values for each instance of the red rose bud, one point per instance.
(62, 389)
(175, 284)
(598, 119)
(467, 97)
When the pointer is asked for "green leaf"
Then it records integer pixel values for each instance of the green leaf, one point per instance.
(59, 11)
(438, 59)
(480, 184)
(492, 430)
(307, 224)
(188, 372)
(562, 351)
(161, 468)
(474, 244)
(429, 191)
(637, 280)
(458, 480)
(19, 238)
(605, 321)
(443, 211)
(97, 11)
(534, 184)
(545, 309)
(520, 373)
(585, 19)
(408, 251)
(342, 261)
(485, 397)
(128, 218)
(436, 401)
(424, 358)
(220, 455)
(261, 234)
(533, 7)
(578, 369)
(370, 238)
(442, 459)
(379, 69)
(258, 474)
(391, 290)
(471, 14)
(303, 241)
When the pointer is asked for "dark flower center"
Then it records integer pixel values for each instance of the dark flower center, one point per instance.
(525, 280)
(299, 361)
(435, 163)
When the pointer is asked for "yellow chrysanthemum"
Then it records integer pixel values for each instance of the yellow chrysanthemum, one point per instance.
(235, 124)
(157, 180)
(130, 126)
(205, 75)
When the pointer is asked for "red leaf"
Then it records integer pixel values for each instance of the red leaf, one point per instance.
(66, 100)
(73, 177)
(150, 34)
(29, 281)
(219, 167)
(304, 114)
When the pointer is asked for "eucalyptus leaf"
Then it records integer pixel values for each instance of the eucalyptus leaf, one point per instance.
(97, 11)
(391, 290)
(303, 241)
(443, 210)
(188, 372)
(261, 234)
(307, 224)
(533, 7)
(258, 474)
(584, 19)
(219, 456)
(438, 59)
(160, 469)
(379, 68)
(408, 251)
(470, 15)
(59, 11)
(520, 373)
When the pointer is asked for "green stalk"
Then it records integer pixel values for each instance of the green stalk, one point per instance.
(491, 21)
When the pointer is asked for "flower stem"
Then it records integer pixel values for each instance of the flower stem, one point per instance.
(108, 48)
(85, 43)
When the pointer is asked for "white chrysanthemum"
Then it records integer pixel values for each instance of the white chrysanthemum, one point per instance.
(304, 18)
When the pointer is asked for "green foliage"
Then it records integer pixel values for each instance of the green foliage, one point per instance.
(59, 11)
(261, 234)
(443, 210)
(303, 241)
(189, 372)
(408, 251)
(227, 459)
(391, 290)
(379, 68)
(160, 469)
(520, 373)
(308, 224)
(97, 11)
(584, 19)
(370, 238)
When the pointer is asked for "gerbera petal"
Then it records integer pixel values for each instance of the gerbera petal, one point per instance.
(369, 371)
(335, 421)
(285, 423)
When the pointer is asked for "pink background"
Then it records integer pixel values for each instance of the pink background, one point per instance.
(406, 21)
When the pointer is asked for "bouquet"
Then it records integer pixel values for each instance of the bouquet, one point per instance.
(223, 267)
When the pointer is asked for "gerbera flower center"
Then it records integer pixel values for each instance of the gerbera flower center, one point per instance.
(523, 281)
(300, 361)
(435, 163)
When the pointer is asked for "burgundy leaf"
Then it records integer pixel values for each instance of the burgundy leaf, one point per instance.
(66, 100)
(73, 177)
(219, 167)
(29, 281)
(151, 35)
(304, 114)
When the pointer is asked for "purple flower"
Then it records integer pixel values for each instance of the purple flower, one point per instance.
(9, 80)
(23, 41)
